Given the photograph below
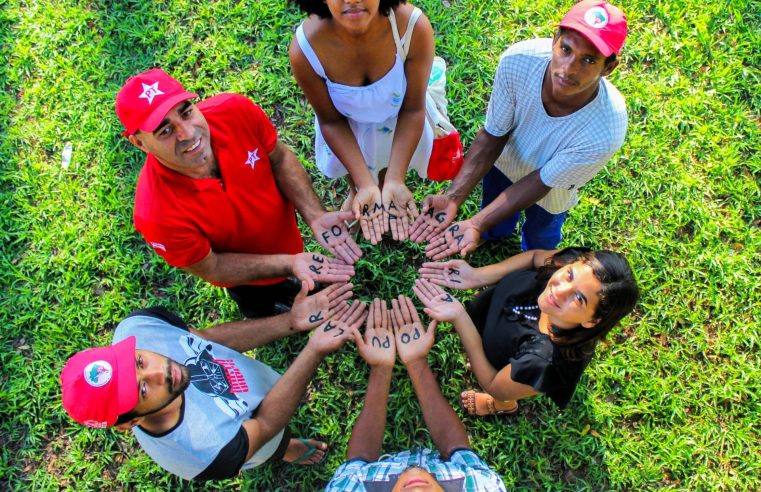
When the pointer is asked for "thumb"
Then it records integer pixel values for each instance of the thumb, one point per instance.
(304, 290)
(346, 215)
(432, 328)
(426, 203)
(357, 337)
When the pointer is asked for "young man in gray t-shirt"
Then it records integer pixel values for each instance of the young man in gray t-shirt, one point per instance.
(199, 407)
(553, 122)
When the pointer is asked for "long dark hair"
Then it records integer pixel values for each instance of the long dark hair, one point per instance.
(321, 9)
(617, 297)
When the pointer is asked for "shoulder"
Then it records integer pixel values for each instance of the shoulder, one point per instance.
(145, 323)
(226, 104)
(528, 51)
(422, 41)
(614, 102)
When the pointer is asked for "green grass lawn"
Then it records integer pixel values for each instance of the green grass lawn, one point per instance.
(670, 402)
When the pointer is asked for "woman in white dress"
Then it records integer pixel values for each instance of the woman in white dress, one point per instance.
(364, 66)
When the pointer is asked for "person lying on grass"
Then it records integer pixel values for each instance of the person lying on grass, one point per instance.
(535, 329)
(217, 193)
(198, 407)
(455, 467)
(553, 122)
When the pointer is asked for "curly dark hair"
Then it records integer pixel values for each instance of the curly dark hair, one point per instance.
(321, 9)
(618, 296)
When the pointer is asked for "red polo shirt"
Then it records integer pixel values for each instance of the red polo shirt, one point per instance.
(183, 218)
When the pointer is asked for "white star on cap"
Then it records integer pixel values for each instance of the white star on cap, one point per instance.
(253, 156)
(150, 91)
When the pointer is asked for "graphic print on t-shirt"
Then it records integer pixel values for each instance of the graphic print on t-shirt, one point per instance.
(219, 378)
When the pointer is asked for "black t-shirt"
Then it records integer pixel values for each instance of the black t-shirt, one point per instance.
(510, 338)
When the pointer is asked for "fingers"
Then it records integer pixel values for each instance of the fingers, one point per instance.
(404, 309)
(343, 295)
(337, 310)
(440, 248)
(355, 315)
(358, 338)
(415, 317)
(347, 251)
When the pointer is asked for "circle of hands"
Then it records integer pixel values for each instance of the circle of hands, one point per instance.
(389, 331)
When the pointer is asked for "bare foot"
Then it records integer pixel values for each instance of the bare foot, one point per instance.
(484, 404)
(305, 451)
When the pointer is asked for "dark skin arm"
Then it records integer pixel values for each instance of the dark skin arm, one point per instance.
(248, 334)
(446, 429)
(367, 435)
(481, 156)
(294, 182)
(443, 208)
(277, 408)
(379, 351)
(464, 237)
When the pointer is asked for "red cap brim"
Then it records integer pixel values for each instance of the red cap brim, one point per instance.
(126, 385)
(592, 36)
(157, 116)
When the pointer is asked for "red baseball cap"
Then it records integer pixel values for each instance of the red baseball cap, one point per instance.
(146, 98)
(600, 22)
(99, 384)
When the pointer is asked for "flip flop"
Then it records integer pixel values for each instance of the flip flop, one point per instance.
(468, 400)
(311, 449)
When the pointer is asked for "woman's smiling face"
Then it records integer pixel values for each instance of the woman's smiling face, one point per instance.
(571, 296)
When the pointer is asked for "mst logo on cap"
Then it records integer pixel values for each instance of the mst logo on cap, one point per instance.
(98, 373)
(596, 17)
(603, 24)
(99, 384)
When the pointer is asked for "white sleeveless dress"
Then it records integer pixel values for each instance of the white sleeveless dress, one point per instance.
(371, 112)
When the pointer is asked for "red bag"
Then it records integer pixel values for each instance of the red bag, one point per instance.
(446, 157)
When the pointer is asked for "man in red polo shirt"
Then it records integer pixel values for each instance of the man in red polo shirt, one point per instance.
(217, 194)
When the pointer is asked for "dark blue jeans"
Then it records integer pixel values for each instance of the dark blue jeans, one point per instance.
(540, 230)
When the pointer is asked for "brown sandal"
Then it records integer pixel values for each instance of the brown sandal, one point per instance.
(482, 404)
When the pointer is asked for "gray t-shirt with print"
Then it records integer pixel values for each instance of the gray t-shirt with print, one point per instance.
(226, 386)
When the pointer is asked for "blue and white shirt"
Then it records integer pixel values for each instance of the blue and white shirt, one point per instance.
(463, 472)
(570, 150)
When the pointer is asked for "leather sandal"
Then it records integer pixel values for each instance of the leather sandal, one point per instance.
(483, 404)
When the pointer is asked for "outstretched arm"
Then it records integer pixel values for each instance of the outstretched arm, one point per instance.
(277, 408)
(378, 350)
(439, 211)
(306, 313)
(457, 274)
(441, 306)
(328, 227)
(413, 343)
(465, 236)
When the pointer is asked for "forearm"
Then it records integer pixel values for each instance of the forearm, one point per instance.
(519, 196)
(478, 160)
(249, 334)
(241, 268)
(294, 182)
(409, 129)
(277, 408)
(343, 143)
(446, 429)
(367, 435)
(491, 274)
(473, 345)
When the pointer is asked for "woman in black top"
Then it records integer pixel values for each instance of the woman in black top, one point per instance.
(535, 330)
